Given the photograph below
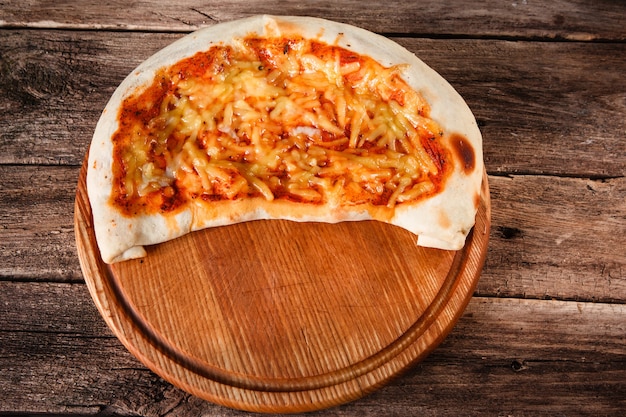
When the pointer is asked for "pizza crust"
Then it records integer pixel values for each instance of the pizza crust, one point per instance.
(442, 221)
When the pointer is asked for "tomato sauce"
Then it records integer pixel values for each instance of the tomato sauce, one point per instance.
(137, 144)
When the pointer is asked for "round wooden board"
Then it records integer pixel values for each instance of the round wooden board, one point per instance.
(278, 316)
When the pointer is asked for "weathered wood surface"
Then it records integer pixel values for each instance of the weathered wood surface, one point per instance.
(544, 334)
(37, 206)
(543, 107)
(574, 20)
(505, 357)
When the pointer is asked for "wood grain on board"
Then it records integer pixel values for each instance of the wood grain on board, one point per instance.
(281, 316)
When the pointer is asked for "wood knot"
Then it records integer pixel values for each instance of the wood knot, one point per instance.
(509, 232)
(34, 81)
(518, 365)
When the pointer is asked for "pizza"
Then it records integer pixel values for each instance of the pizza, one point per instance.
(292, 118)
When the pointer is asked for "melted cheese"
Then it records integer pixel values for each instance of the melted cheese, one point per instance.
(277, 118)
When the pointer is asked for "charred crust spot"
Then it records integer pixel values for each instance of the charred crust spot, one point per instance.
(444, 220)
(464, 152)
(476, 200)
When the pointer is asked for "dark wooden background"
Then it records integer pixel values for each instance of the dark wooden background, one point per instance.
(545, 333)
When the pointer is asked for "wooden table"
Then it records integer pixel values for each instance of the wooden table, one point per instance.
(545, 333)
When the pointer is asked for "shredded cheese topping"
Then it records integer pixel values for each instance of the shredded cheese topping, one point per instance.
(276, 118)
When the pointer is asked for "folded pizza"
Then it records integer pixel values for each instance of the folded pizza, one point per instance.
(292, 118)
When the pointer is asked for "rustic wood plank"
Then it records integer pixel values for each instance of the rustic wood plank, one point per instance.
(55, 86)
(567, 19)
(528, 358)
(544, 108)
(58, 355)
(557, 238)
(36, 223)
(504, 357)
(37, 206)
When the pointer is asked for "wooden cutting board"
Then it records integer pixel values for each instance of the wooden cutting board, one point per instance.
(278, 316)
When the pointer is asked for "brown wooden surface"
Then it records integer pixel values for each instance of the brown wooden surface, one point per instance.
(545, 331)
(270, 316)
